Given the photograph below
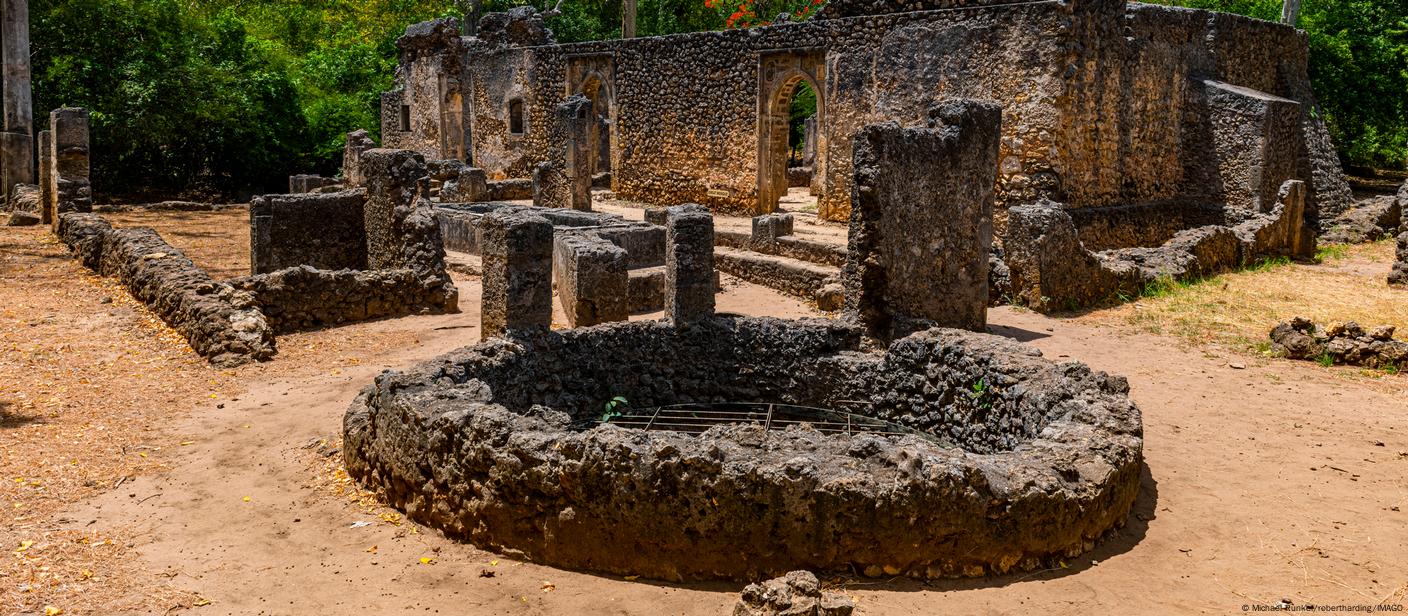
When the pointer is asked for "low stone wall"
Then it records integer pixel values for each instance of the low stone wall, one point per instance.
(1051, 269)
(1025, 462)
(303, 298)
(509, 190)
(772, 234)
(220, 322)
(326, 231)
(1340, 343)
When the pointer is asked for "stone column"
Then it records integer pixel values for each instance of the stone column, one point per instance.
(17, 140)
(921, 221)
(689, 264)
(358, 141)
(46, 172)
(68, 179)
(575, 115)
(517, 251)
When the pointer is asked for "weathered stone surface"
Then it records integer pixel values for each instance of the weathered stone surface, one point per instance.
(1105, 100)
(307, 183)
(303, 298)
(222, 324)
(551, 186)
(1049, 267)
(325, 231)
(24, 198)
(592, 280)
(45, 173)
(68, 162)
(921, 221)
(521, 26)
(1255, 144)
(400, 223)
(1339, 343)
(796, 594)
(23, 218)
(358, 141)
(498, 444)
(517, 251)
(1368, 220)
(470, 186)
(1399, 274)
(576, 118)
(689, 264)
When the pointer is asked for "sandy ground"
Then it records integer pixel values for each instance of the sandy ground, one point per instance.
(1266, 479)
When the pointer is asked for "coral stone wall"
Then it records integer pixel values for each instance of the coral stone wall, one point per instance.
(325, 231)
(1032, 461)
(1102, 100)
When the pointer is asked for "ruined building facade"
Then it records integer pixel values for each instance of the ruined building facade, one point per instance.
(1128, 113)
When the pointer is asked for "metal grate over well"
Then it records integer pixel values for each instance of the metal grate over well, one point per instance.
(698, 417)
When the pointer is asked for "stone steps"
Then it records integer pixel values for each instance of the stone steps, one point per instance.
(810, 281)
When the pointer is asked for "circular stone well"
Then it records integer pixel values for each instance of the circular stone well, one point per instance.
(1032, 460)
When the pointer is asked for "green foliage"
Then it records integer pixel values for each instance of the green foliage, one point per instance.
(1331, 252)
(981, 394)
(614, 408)
(1358, 69)
(803, 107)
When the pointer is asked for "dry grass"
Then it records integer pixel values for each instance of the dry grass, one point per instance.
(1238, 309)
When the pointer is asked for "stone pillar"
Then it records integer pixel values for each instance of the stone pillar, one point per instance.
(358, 141)
(921, 221)
(768, 227)
(17, 140)
(592, 280)
(46, 172)
(517, 253)
(628, 19)
(68, 178)
(575, 115)
(689, 264)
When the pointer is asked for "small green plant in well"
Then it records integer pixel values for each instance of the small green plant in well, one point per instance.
(614, 408)
(981, 394)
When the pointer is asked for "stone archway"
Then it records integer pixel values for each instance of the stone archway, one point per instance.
(780, 74)
(593, 76)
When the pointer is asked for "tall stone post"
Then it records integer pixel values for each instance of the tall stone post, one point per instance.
(689, 264)
(628, 19)
(17, 140)
(68, 162)
(46, 177)
(517, 252)
(575, 115)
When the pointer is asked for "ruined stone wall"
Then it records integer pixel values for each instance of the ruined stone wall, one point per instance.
(686, 106)
(326, 231)
(1102, 99)
(221, 323)
(1139, 129)
(302, 298)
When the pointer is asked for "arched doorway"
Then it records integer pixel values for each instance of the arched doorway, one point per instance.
(790, 90)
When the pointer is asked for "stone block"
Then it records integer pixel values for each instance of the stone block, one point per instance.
(1256, 142)
(689, 264)
(592, 280)
(768, 227)
(471, 186)
(1399, 275)
(517, 254)
(68, 161)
